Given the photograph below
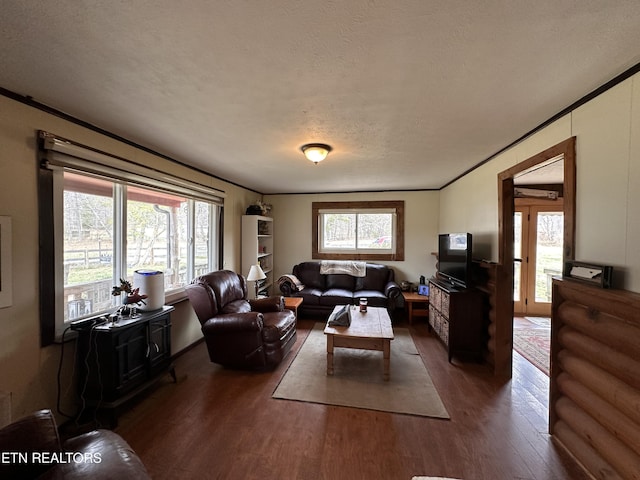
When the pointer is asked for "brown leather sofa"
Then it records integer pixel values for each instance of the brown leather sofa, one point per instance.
(31, 448)
(322, 292)
(241, 333)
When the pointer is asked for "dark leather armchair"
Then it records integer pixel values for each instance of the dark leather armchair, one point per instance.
(39, 452)
(241, 333)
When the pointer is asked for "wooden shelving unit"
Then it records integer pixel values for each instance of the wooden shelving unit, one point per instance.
(257, 249)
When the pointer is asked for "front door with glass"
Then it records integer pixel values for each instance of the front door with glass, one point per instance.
(538, 237)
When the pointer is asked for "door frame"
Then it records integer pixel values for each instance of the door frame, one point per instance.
(503, 335)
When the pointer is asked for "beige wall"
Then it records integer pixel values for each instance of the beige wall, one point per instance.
(28, 371)
(607, 134)
(292, 229)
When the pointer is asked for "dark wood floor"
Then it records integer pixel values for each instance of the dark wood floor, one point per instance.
(223, 424)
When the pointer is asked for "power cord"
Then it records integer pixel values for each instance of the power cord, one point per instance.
(59, 408)
(83, 401)
(87, 326)
(95, 411)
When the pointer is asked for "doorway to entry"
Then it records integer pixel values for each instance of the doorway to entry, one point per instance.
(538, 234)
(509, 181)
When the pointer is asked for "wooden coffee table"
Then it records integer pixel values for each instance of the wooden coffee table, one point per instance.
(368, 331)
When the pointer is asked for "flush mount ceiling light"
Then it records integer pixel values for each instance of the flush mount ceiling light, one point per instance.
(316, 152)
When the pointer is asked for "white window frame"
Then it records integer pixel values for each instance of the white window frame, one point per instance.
(58, 155)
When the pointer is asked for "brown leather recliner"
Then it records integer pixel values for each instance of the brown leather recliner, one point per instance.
(33, 449)
(241, 333)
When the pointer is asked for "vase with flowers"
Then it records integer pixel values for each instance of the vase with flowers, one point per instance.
(131, 297)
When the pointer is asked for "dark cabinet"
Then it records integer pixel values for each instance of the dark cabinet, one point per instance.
(456, 316)
(116, 361)
(126, 368)
(159, 346)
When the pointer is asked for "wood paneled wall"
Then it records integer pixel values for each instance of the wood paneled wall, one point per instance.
(485, 280)
(594, 409)
(491, 279)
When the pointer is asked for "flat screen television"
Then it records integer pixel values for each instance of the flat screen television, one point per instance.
(454, 258)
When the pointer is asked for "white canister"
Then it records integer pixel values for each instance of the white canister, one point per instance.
(151, 284)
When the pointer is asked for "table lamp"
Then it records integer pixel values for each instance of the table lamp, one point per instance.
(255, 274)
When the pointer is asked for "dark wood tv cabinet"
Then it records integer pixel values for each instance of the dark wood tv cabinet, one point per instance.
(116, 362)
(456, 317)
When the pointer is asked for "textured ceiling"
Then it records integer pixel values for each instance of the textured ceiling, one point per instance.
(409, 93)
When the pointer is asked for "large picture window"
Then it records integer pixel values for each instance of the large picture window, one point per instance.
(97, 228)
(358, 230)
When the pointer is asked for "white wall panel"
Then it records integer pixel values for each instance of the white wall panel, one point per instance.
(551, 135)
(632, 258)
(602, 128)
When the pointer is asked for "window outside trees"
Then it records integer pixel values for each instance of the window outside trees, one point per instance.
(351, 231)
(358, 230)
(538, 256)
(160, 231)
(88, 224)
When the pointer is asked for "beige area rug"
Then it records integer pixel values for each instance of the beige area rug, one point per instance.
(357, 380)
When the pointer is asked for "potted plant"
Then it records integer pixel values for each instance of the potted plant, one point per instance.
(132, 296)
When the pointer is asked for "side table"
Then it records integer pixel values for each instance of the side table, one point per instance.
(292, 303)
(411, 300)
